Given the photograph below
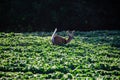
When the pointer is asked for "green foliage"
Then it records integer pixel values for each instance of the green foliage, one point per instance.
(90, 55)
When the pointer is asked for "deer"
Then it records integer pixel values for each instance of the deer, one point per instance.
(59, 40)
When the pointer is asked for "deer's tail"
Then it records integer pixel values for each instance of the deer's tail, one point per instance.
(53, 34)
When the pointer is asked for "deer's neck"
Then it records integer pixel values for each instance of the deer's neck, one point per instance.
(69, 39)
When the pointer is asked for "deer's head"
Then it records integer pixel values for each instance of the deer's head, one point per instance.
(70, 33)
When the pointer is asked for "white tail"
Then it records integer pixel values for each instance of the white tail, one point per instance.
(52, 38)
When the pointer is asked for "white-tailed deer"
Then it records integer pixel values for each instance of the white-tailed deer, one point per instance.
(58, 40)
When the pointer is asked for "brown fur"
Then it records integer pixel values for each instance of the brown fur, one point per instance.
(59, 40)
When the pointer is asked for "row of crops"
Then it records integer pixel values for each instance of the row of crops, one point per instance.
(90, 55)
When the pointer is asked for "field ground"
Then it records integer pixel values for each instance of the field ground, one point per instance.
(90, 55)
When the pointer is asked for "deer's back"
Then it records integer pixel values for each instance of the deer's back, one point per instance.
(59, 40)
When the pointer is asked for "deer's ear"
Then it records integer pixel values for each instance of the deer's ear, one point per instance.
(67, 31)
(73, 31)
